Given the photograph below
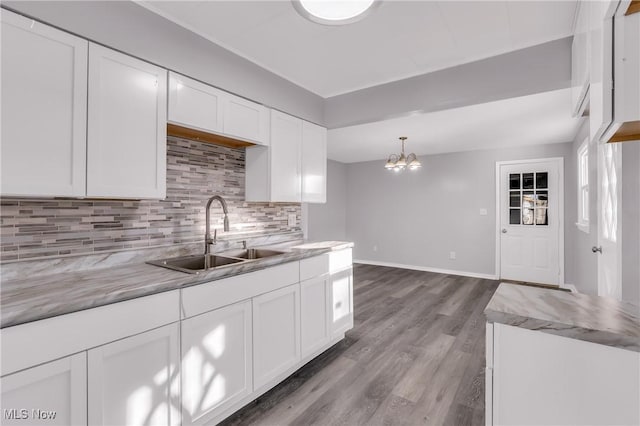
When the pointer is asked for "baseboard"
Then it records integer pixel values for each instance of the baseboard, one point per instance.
(426, 269)
(570, 287)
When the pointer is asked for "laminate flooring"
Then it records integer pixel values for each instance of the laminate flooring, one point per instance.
(415, 356)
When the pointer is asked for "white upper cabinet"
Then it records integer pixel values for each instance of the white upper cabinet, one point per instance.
(293, 167)
(601, 68)
(202, 107)
(246, 120)
(627, 67)
(314, 163)
(44, 107)
(580, 53)
(195, 105)
(127, 126)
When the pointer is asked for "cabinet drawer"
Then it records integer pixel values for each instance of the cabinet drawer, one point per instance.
(314, 267)
(339, 260)
(36, 342)
(206, 297)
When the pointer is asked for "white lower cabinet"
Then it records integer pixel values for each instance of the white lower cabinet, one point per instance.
(136, 380)
(216, 362)
(341, 294)
(54, 393)
(276, 334)
(315, 305)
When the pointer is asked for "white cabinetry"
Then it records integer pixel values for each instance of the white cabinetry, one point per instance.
(341, 301)
(580, 54)
(44, 107)
(315, 313)
(195, 105)
(314, 163)
(627, 68)
(54, 393)
(276, 334)
(198, 106)
(136, 380)
(216, 362)
(293, 168)
(543, 379)
(126, 149)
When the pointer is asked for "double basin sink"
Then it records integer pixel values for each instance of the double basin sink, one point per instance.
(197, 263)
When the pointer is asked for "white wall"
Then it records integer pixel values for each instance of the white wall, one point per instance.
(329, 221)
(417, 218)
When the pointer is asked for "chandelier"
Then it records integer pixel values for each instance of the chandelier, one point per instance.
(399, 162)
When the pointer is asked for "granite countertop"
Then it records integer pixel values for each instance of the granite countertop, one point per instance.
(578, 316)
(29, 299)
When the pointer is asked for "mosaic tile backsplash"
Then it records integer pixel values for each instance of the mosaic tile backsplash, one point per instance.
(32, 228)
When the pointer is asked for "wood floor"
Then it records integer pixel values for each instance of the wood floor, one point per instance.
(414, 357)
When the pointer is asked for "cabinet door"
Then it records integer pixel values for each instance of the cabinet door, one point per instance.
(216, 362)
(284, 170)
(127, 132)
(195, 105)
(341, 302)
(246, 120)
(135, 381)
(314, 163)
(276, 331)
(44, 107)
(580, 53)
(314, 312)
(54, 393)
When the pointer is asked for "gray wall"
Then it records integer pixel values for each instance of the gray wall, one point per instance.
(418, 218)
(585, 261)
(132, 29)
(527, 71)
(631, 222)
(329, 221)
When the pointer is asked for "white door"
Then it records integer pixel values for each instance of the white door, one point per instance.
(314, 163)
(285, 145)
(315, 301)
(530, 222)
(195, 105)
(276, 334)
(216, 362)
(127, 126)
(341, 295)
(44, 109)
(135, 381)
(609, 220)
(54, 393)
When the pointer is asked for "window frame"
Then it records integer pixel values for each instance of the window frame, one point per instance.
(582, 157)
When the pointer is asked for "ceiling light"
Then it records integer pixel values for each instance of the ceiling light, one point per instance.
(334, 12)
(399, 162)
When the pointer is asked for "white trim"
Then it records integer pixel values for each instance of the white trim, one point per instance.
(560, 163)
(584, 227)
(569, 287)
(426, 269)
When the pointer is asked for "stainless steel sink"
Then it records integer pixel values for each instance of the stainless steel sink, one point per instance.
(196, 263)
(252, 253)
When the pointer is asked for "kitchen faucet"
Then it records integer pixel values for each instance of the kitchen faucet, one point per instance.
(207, 236)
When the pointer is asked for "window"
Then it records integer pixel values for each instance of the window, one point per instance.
(529, 199)
(583, 187)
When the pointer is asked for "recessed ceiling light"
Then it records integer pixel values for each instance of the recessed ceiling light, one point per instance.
(334, 12)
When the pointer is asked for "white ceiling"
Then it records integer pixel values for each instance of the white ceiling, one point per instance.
(398, 40)
(542, 118)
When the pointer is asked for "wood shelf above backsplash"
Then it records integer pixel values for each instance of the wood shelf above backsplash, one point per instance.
(200, 136)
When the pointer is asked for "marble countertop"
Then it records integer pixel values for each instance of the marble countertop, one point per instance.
(578, 316)
(27, 299)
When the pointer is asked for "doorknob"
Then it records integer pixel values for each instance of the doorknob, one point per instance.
(504, 231)
(596, 249)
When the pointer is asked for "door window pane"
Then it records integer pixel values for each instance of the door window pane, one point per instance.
(527, 180)
(514, 181)
(541, 217)
(542, 199)
(528, 199)
(527, 216)
(542, 179)
(514, 216)
(514, 199)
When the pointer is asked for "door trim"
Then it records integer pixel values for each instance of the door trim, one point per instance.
(560, 163)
